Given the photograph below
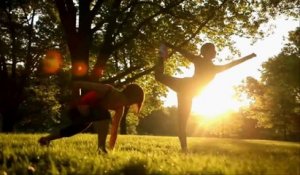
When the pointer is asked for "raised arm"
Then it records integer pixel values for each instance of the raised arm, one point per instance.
(101, 89)
(191, 57)
(114, 128)
(234, 63)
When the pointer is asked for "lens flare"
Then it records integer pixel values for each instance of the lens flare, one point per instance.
(79, 69)
(52, 62)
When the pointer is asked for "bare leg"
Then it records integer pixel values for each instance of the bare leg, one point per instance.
(176, 84)
(102, 130)
(184, 110)
(65, 132)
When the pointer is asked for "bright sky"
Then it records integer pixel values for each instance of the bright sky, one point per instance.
(217, 98)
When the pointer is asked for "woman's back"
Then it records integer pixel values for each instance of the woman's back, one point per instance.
(204, 72)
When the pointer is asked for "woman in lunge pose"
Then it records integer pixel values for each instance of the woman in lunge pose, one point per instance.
(93, 107)
(186, 88)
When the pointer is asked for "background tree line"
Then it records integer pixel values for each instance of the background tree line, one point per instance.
(115, 40)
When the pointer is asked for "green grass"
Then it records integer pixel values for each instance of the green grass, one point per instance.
(20, 154)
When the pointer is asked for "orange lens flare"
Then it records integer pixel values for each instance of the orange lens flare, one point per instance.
(52, 62)
(79, 69)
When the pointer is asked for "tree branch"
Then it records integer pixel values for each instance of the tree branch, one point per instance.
(121, 75)
(128, 80)
(95, 9)
(145, 22)
(203, 24)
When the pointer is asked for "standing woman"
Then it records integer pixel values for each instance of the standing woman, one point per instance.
(94, 106)
(188, 87)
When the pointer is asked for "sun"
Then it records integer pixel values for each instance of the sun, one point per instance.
(215, 100)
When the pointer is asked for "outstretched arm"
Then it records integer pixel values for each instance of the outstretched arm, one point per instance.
(114, 128)
(101, 89)
(191, 57)
(234, 63)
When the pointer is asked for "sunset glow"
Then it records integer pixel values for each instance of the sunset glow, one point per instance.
(210, 103)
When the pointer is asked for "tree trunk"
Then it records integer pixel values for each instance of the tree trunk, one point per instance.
(9, 105)
(1, 122)
(284, 132)
(11, 96)
(9, 120)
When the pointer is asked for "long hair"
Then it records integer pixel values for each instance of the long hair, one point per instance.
(135, 95)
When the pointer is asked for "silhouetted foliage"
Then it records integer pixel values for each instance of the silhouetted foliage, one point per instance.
(276, 97)
(26, 33)
(159, 122)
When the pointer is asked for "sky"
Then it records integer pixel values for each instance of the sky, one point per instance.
(217, 98)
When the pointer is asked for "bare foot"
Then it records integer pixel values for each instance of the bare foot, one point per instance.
(102, 151)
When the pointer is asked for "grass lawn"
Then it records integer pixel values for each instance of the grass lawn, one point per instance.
(20, 154)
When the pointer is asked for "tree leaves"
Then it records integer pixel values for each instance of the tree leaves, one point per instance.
(276, 97)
